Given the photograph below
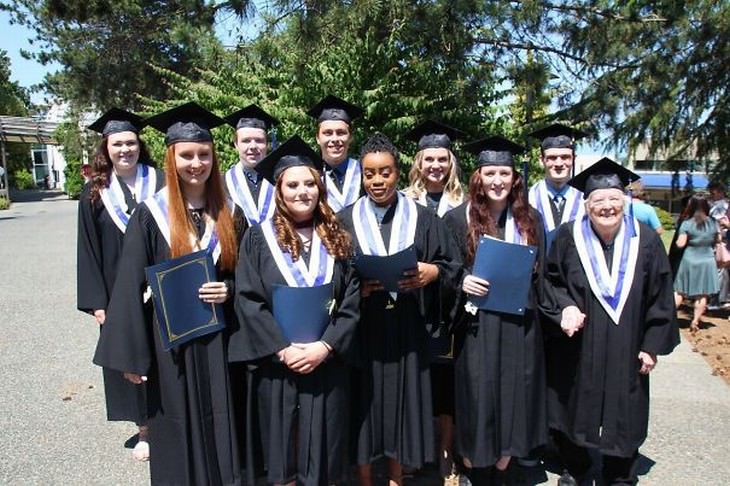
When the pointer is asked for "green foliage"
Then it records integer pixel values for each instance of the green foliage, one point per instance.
(74, 180)
(4, 203)
(24, 180)
(665, 218)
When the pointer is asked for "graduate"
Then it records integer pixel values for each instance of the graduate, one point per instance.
(334, 135)
(556, 201)
(393, 397)
(192, 437)
(612, 314)
(298, 391)
(434, 183)
(246, 187)
(123, 175)
(499, 364)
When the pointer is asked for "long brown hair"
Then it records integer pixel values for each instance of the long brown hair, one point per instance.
(337, 241)
(101, 166)
(481, 221)
(181, 224)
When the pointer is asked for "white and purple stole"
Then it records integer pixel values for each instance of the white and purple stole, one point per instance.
(297, 273)
(446, 204)
(367, 229)
(241, 194)
(610, 288)
(145, 184)
(338, 200)
(540, 199)
(158, 206)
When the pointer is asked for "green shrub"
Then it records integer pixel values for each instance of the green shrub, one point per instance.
(4, 203)
(24, 179)
(74, 180)
(665, 218)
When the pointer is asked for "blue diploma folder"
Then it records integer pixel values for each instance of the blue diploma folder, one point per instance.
(181, 315)
(508, 269)
(302, 313)
(387, 269)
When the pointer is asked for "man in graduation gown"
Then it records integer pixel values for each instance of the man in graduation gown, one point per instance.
(392, 394)
(610, 287)
(334, 135)
(555, 200)
(246, 187)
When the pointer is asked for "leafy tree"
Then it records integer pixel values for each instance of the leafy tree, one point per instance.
(14, 101)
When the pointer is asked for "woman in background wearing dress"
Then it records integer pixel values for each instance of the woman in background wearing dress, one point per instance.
(697, 274)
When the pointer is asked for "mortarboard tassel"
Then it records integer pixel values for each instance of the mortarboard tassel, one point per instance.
(631, 229)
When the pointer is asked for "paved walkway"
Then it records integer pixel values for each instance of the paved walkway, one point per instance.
(51, 397)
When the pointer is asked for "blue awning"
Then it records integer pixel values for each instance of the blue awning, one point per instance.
(663, 180)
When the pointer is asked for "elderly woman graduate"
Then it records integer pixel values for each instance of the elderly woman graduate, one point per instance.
(611, 290)
(298, 302)
(192, 438)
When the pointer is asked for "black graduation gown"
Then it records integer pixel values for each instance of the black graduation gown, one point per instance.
(191, 423)
(297, 423)
(99, 246)
(392, 392)
(499, 368)
(596, 395)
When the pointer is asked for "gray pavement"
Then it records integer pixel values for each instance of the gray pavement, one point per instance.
(52, 414)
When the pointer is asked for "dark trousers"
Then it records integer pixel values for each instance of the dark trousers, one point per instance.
(616, 470)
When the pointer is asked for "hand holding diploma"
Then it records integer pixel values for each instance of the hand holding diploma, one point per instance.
(474, 285)
(422, 275)
(213, 292)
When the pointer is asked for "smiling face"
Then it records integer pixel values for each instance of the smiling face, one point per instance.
(193, 163)
(605, 208)
(251, 145)
(558, 163)
(435, 166)
(123, 149)
(497, 181)
(380, 177)
(300, 192)
(334, 138)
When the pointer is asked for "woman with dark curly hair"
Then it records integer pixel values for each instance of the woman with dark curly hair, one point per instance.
(298, 399)
(499, 368)
(122, 176)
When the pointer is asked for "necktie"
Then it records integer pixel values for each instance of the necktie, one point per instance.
(559, 201)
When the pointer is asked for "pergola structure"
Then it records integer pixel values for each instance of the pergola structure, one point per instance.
(22, 130)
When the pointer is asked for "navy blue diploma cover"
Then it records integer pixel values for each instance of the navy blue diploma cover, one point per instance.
(302, 313)
(387, 269)
(181, 315)
(508, 269)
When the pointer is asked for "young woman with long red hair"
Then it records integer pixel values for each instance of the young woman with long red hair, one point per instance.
(500, 377)
(298, 390)
(192, 435)
(122, 176)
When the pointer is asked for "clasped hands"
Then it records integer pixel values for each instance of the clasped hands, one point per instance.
(304, 358)
(422, 275)
(572, 320)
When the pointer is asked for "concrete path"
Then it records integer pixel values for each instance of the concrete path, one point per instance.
(52, 414)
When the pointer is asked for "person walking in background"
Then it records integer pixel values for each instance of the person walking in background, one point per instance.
(720, 212)
(123, 175)
(643, 212)
(697, 274)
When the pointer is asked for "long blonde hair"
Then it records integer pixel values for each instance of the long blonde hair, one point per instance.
(417, 186)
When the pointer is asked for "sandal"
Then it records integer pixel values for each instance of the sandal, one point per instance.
(141, 451)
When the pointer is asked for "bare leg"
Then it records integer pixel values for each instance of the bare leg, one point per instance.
(141, 451)
(700, 307)
(395, 473)
(365, 475)
(446, 432)
(678, 299)
(502, 463)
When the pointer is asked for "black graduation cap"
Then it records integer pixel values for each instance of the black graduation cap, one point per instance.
(251, 116)
(494, 150)
(185, 123)
(558, 136)
(115, 121)
(604, 174)
(432, 134)
(292, 153)
(333, 108)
